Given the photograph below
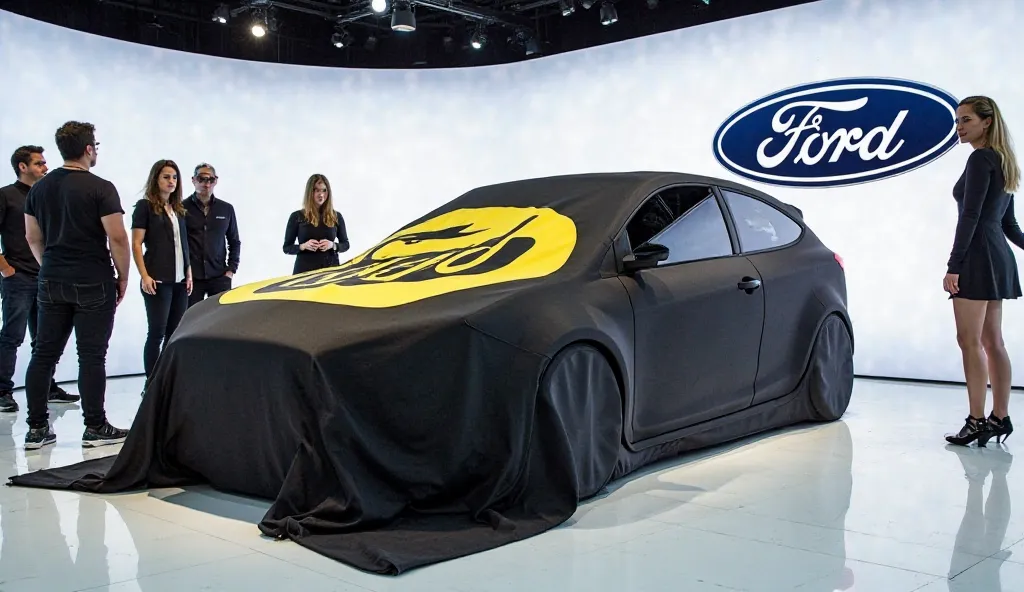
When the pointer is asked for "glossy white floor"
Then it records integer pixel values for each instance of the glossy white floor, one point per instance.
(873, 503)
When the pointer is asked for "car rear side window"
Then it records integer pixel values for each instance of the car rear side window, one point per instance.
(760, 226)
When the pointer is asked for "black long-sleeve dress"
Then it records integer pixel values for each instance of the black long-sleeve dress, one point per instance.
(981, 255)
(299, 230)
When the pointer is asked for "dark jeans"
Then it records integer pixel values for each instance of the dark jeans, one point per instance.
(18, 300)
(88, 309)
(163, 312)
(208, 287)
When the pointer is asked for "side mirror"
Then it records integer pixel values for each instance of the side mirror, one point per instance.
(644, 257)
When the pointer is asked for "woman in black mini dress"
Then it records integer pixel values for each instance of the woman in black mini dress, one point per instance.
(982, 271)
(316, 233)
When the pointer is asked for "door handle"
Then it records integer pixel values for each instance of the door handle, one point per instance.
(749, 284)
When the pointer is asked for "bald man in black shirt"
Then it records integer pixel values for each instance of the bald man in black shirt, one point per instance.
(213, 244)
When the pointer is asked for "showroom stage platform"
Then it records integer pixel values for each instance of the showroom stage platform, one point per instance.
(874, 503)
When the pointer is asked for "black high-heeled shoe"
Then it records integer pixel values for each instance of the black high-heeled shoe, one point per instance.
(975, 428)
(1001, 428)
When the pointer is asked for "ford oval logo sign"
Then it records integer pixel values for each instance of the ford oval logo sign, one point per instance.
(839, 132)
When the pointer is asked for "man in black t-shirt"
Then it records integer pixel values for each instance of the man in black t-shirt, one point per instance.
(20, 273)
(70, 216)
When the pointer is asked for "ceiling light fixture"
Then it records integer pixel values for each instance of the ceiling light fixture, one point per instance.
(341, 38)
(609, 16)
(402, 18)
(259, 22)
(479, 38)
(221, 14)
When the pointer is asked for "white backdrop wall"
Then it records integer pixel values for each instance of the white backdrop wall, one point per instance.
(396, 144)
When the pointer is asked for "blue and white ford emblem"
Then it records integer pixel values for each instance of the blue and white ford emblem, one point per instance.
(838, 132)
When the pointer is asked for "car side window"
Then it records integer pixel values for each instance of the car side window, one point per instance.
(682, 198)
(700, 233)
(662, 209)
(652, 217)
(759, 225)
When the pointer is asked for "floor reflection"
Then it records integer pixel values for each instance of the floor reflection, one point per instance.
(983, 528)
(52, 540)
(872, 503)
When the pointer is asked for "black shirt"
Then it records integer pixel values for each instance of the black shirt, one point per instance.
(213, 244)
(299, 230)
(68, 204)
(159, 241)
(12, 229)
(983, 205)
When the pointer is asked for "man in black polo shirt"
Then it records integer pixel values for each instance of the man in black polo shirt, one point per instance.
(213, 244)
(20, 273)
(70, 216)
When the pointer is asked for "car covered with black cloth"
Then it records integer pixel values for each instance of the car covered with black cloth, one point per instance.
(470, 379)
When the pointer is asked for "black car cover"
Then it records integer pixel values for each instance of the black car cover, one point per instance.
(391, 430)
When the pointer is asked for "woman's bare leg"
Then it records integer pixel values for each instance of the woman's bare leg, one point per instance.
(970, 321)
(999, 369)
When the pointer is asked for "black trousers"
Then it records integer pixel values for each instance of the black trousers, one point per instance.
(310, 261)
(208, 287)
(163, 313)
(88, 310)
(18, 300)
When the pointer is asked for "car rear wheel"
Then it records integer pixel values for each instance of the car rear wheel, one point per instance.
(581, 387)
(830, 376)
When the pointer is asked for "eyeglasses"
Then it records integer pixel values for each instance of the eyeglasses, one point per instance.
(206, 180)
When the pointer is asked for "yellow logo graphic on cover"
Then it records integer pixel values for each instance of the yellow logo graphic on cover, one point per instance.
(458, 250)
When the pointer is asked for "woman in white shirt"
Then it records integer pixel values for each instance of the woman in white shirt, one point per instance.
(160, 250)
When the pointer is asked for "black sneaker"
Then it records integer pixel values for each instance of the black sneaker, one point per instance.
(7, 402)
(59, 395)
(104, 435)
(39, 437)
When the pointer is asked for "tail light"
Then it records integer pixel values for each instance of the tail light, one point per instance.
(839, 260)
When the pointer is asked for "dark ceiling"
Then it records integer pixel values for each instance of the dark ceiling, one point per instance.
(306, 31)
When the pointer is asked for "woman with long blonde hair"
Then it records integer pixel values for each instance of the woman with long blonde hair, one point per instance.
(316, 233)
(982, 270)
